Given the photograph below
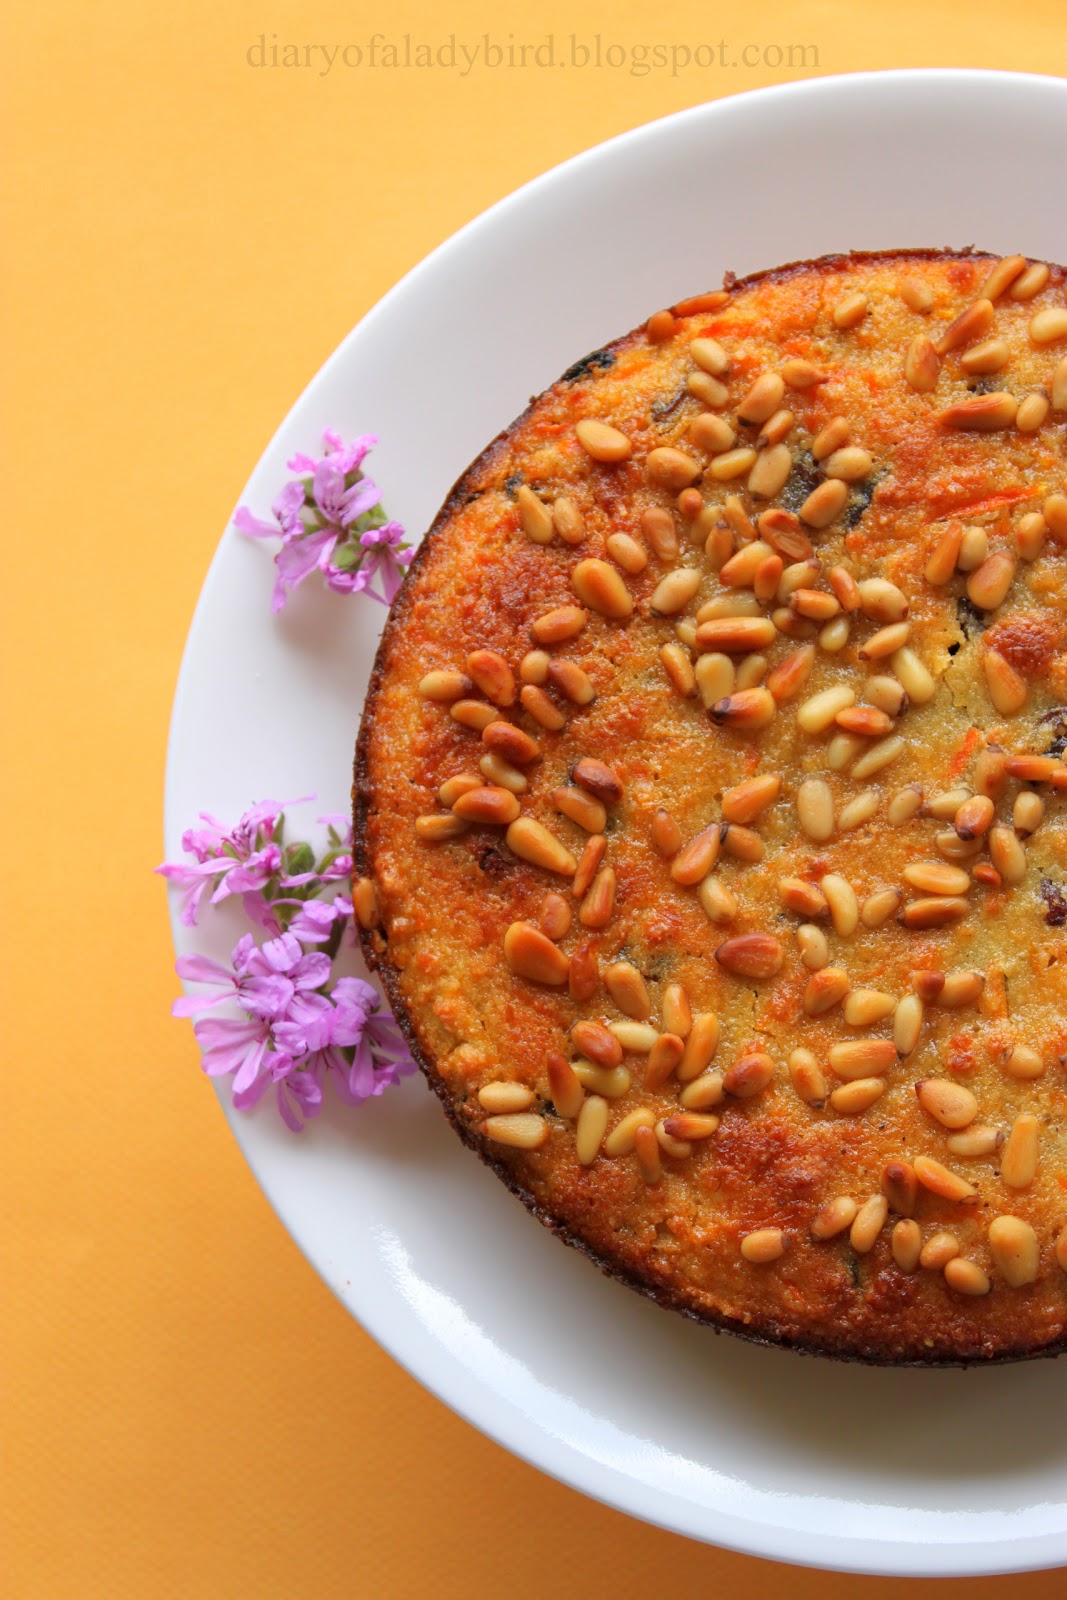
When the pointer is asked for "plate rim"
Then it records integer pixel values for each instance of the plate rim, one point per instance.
(497, 1414)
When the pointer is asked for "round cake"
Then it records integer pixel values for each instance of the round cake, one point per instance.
(709, 805)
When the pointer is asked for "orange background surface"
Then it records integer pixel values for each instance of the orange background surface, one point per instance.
(188, 1410)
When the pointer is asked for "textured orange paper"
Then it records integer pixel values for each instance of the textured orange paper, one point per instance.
(187, 235)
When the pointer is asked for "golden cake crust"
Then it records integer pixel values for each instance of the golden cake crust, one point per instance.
(720, 1225)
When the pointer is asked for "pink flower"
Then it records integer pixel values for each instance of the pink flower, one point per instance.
(239, 860)
(345, 456)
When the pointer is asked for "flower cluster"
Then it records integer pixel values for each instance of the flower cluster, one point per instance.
(329, 518)
(299, 1026)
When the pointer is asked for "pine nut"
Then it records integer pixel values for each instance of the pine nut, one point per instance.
(627, 988)
(961, 989)
(674, 592)
(564, 1086)
(1032, 769)
(708, 390)
(1054, 511)
(732, 464)
(770, 471)
(916, 296)
(907, 1024)
(990, 772)
(751, 955)
(798, 575)
(365, 903)
(941, 1248)
(556, 917)
(719, 903)
(712, 434)
(530, 955)
(657, 527)
(790, 675)
(815, 604)
(749, 1075)
(622, 1138)
(992, 355)
(858, 811)
(591, 1127)
(1019, 1157)
(834, 1217)
(744, 844)
(511, 743)
(985, 413)
(777, 428)
(1014, 1248)
(942, 564)
(675, 1011)
(600, 587)
(975, 1141)
(974, 549)
(710, 356)
(543, 710)
(829, 438)
(921, 365)
(580, 807)
(805, 898)
(495, 770)
(904, 804)
(807, 1077)
(1049, 325)
(886, 642)
(948, 1103)
(1024, 1062)
(534, 515)
(988, 585)
(572, 681)
(1002, 276)
(862, 1058)
(971, 324)
(611, 1083)
(865, 1007)
(815, 807)
(555, 626)
(598, 902)
(800, 374)
(841, 898)
(523, 1131)
(445, 686)
(700, 1047)
(879, 907)
(504, 1098)
(882, 601)
(1008, 854)
(691, 1125)
(812, 947)
(1033, 409)
(817, 713)
(646, 1152)
(850, 311)
(953, 848)
(452, 788)
(763, 398)
(1027, 813)
(940, 1181)
(900, 1187)
(966, 1277)
(825, 504)
(878, 757)
(747, 711)
(1059, 387)
(488, 804)
(637, 1037)
(936, 911)
(971, 821)
(568, 520)
(473, 714)
(917, 682)
(933, 877)
(929, 986)
(671, 469)
(436, 827)
(583, 980)
(679, 669)
(715, 678)
(767, 577)
(679, 1148)
(603, 442)
(843, 749)
(696, 859)
(851, 464)
(846, 588)
(906, 1244)
(1061, 1249)
(824, 990)
(868, 1224)
(666, 834)
(744, 802)
(763, 1246)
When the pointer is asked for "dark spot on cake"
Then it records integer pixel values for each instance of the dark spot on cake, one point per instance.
(490, 859)
(511, 484)
(667, 405)
(970, 619)
(860, 503)
(800, 483)
(984, 383)
(953, 649)
(596, 360)
(1053, 726)
(1056, 902)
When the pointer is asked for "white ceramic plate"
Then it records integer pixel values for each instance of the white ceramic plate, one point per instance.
(789, 1457)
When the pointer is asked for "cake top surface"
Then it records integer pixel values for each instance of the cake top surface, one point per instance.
(710, 803)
